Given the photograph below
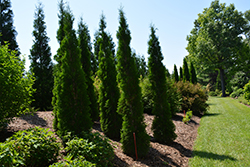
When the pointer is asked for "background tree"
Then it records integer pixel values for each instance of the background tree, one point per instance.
(186, 75)
(193, 78)
(111, 121)
(140, 64)
(72, 100)
(181, 74)
(41, 63)
(163, 126)
(7, 28)
(216, 38)
(130, 103)
(16, 91)
(176, 77)
(83, 40)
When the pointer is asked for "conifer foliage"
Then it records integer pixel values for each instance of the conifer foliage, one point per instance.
(176, 77)
(163, 126)
(193, 77)
(130, 103)
(181, 74)
(41, 63)
(7, 29)
(72, 102)
(110, 120)
(186, 75)
(83, 38)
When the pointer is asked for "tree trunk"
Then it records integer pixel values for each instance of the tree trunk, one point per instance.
(222, 82)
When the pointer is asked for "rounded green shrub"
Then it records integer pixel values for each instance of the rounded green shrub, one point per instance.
(247, 91)
(34, 147)
(237, 93)
(78, 162)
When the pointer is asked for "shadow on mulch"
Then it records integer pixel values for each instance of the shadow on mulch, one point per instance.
(213, 156)
(182, 150)
(177, 118)
(5, 134)
(34, 119)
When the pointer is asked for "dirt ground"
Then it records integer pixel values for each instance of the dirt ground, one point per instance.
(177, 154)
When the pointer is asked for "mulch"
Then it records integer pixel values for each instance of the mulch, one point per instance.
(176, 154)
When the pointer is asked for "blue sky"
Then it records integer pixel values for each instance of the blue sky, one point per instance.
(173, 19)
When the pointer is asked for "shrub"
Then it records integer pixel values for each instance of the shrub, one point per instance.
(212, 93)
(92, 146)
(187, 117)
(193, 97)
(78, 162)
(147, 95)
(236, 93)
(247, 91)
(34, 147)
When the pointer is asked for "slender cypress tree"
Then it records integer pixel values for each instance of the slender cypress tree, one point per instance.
(176, 77)
(163, 126)
(7, 29)
(72, 99)
(218, 81)
(192, 72)
(110, 120)
(83, 39)
(186, 75)
(130, 102)
(181, 74)
(41, 63)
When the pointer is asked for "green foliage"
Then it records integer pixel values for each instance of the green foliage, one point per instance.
(77, 162)
(95, 148)
(130, 102)
(16, 87)
(176, 76)
(34, 147)
(193, 97)
(212, 93)
(41, 63)
(181, 74)
(187, 117)
(147, 95)
(163, 126)
(8, 32)
(193, 77)
(247, 91)
(237, 93)
(83, 39)
(186, 75)
(140, 64)
(72, 102)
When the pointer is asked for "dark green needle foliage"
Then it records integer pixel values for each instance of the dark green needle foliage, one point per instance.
(186, 75)
(163, 126)
(193, 77)
(181, 74)
(176, 77)
(41, 63)
(72, 100)
(130, 102)
(7, 29)
(110, 120)
(83, 38)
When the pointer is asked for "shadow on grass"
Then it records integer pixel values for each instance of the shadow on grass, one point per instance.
(211, 114)
(34, 119)
(213, 156)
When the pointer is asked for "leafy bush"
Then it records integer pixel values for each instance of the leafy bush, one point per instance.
(237, 93)
(247, 91)
(187, 117)
(193, 97)
(212, 93)
(16, 88)
(92, 146)
(78, 162)
(34, 147)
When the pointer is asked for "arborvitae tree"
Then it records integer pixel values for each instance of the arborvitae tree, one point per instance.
(58, 57)
(83, 40)
(181, 74)
(130, 102)
(7, 30)
(140, 64)
(193, 77)
(186, 75)
(41, 63)
(176, 77)
(111, 121)
(72, 100)
(163, 126)
(218, 81)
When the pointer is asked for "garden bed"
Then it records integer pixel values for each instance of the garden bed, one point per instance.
(176, 154)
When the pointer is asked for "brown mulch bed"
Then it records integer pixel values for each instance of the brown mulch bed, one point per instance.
(177, 154)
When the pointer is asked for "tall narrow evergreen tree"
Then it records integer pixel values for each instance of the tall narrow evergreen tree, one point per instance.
(176, 77)
(7, 29)
(41, 63)
(163, 126)
(72, 100)
(186, 75)
(193, 77)
(111, 121)
(181, 74)
(83, 40)
(130, 102)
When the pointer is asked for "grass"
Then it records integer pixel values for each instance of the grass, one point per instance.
(223, 136)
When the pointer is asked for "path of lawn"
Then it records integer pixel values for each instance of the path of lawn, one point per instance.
(223, 136)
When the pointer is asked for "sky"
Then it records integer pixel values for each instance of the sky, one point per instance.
(174, 19)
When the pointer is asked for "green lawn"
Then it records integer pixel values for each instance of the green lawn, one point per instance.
(223, 136)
